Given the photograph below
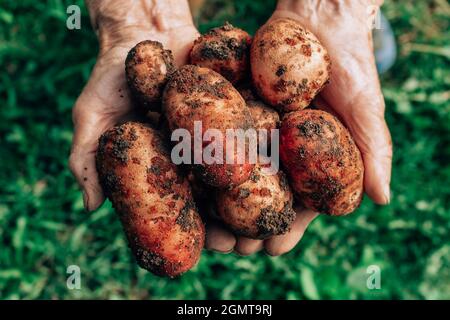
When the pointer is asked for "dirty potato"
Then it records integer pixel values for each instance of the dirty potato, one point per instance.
(263, 116)
(289, 65)
(196, 95)
(225, 50)
(154, 202)
(147, 67)
(323, 163)
(260, 207)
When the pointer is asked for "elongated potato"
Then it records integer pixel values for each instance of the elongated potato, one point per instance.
(153, 201)
(194, 94)
(259, 208)
(322, 161)
(225, 50)
(148, 67)
(289, 65)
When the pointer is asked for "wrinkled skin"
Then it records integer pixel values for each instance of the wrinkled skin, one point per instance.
(354, 93)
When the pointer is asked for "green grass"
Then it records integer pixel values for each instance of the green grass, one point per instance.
(43, 227)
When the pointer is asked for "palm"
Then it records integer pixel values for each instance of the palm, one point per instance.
(107, 85)
(105, 101)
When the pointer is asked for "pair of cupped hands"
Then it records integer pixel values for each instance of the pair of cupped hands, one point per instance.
(354, 93)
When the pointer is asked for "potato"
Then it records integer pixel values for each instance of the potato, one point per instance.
(289, 65)
(200, 94)
(322, 161)
(263, 116)
(148, 67)
(225, 50)
(260, 207)
(154, 202)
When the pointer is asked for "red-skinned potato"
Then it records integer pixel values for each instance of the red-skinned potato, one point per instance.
(154, 202)
(225, 50)
(322, 161)
(289, 65)
(148, 67)
(259, 208)
(199, 94)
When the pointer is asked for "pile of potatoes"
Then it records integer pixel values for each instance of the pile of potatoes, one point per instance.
(233, 82)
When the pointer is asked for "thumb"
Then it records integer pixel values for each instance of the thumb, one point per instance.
(371, 134)
(361, 106)
(88, 128)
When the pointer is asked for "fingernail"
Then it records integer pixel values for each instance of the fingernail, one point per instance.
(387, 193)
(221, 252)
(270, 254)
(85, 201)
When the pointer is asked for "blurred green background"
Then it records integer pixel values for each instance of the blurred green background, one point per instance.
(43, 227)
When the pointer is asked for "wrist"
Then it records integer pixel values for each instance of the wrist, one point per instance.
(118, 22)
